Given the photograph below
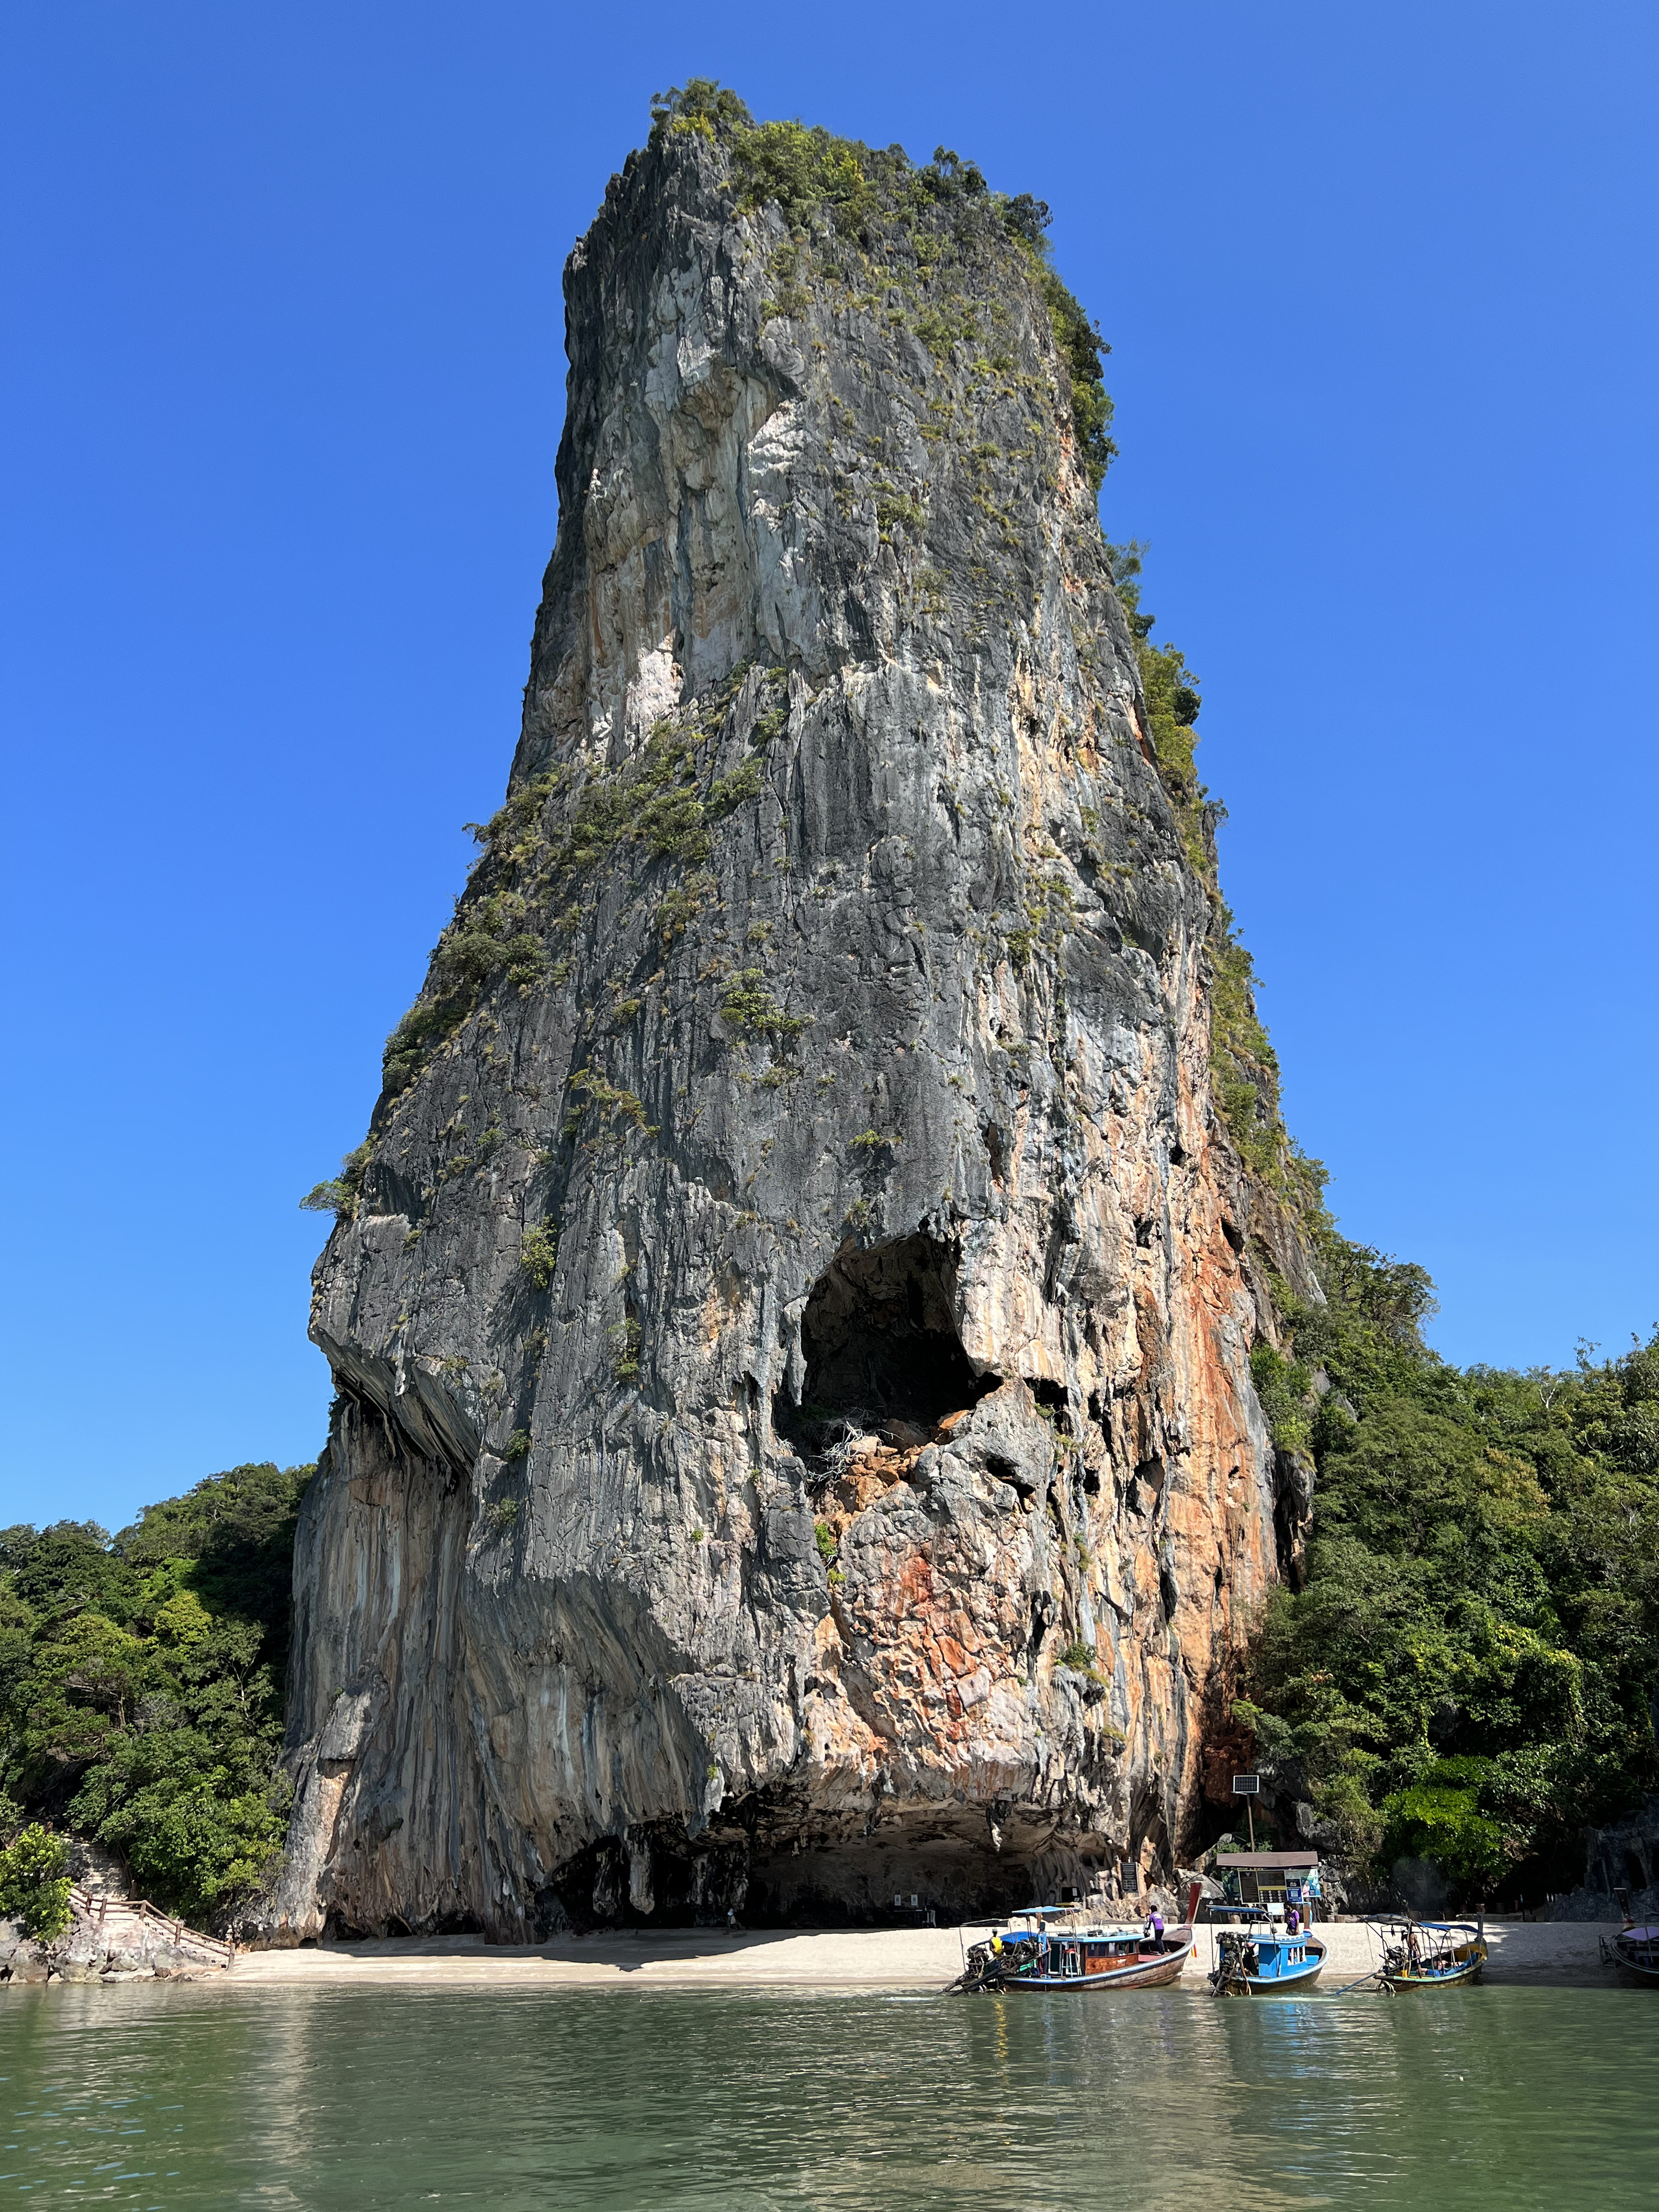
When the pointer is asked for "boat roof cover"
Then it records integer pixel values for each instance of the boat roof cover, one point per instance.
(1263, 1861)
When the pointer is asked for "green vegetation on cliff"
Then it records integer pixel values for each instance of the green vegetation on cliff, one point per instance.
(1243, 1065)
(807, 170)
(1469, 1670)
(141, 1683)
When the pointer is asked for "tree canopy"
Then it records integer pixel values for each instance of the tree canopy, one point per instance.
(141, 1683)
(1469, 1673)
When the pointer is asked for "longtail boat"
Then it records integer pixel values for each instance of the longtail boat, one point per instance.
(1053, 1952)
(1635, 1951)
(1265, 1961)
(1432, 1954)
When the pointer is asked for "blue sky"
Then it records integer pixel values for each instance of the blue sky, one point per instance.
(283, 387)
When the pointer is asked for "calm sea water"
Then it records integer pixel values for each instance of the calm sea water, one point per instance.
(175, 2096)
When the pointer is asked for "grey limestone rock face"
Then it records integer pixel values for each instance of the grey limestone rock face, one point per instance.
(794, 1443)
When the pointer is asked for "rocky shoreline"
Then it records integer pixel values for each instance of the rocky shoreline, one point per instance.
(111, 1937)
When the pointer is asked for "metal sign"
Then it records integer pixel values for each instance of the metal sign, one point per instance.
(1247, 1785)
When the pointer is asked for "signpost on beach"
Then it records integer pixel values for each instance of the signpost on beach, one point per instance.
(1247, 1786)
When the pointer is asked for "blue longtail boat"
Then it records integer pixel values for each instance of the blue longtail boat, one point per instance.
(1264, 1961)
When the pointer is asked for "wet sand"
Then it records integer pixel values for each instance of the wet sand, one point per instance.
(1547, 1954)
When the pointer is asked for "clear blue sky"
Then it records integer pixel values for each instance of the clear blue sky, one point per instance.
(283, 385)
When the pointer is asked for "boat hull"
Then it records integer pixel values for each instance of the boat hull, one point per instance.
(1635, 1952)
(1460, 1977)
(1146, 1974)
(1464, 1966)
(1281, 1985)
(1294, 1981)
(1098, 1959)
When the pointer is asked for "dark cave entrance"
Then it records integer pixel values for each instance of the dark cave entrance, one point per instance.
(882, 1349)
(773, 1859)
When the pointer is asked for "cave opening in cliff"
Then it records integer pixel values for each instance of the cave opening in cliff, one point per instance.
(773, 1858)
(882, 1348)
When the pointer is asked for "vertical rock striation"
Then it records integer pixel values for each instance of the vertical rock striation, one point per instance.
(791, 1319)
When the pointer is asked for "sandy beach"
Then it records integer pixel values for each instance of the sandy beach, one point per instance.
(1550, 1955)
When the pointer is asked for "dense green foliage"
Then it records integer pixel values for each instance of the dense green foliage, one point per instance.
(140, 1682)
(1470, 1671)
(538, 1253)
(34, 1883)
(1081, 347)
(340, 1193)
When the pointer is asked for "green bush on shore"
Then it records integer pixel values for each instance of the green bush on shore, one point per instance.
(34, 1883)
(141, 1683)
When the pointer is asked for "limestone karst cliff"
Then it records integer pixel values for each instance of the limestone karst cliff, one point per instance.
(795, 1441)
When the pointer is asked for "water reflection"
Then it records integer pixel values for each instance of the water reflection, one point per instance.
(179, 2097)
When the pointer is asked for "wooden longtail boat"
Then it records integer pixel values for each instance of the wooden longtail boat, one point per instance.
(1092, 1955)
(1266, 1962)
(1432, 1954)
(1635, 1951)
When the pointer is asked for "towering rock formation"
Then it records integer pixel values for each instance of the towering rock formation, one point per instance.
(795, 1440)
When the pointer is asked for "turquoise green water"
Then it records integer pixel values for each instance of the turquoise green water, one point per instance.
(184, 2096)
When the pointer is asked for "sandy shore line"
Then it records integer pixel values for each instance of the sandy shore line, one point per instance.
(1548, 1954)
